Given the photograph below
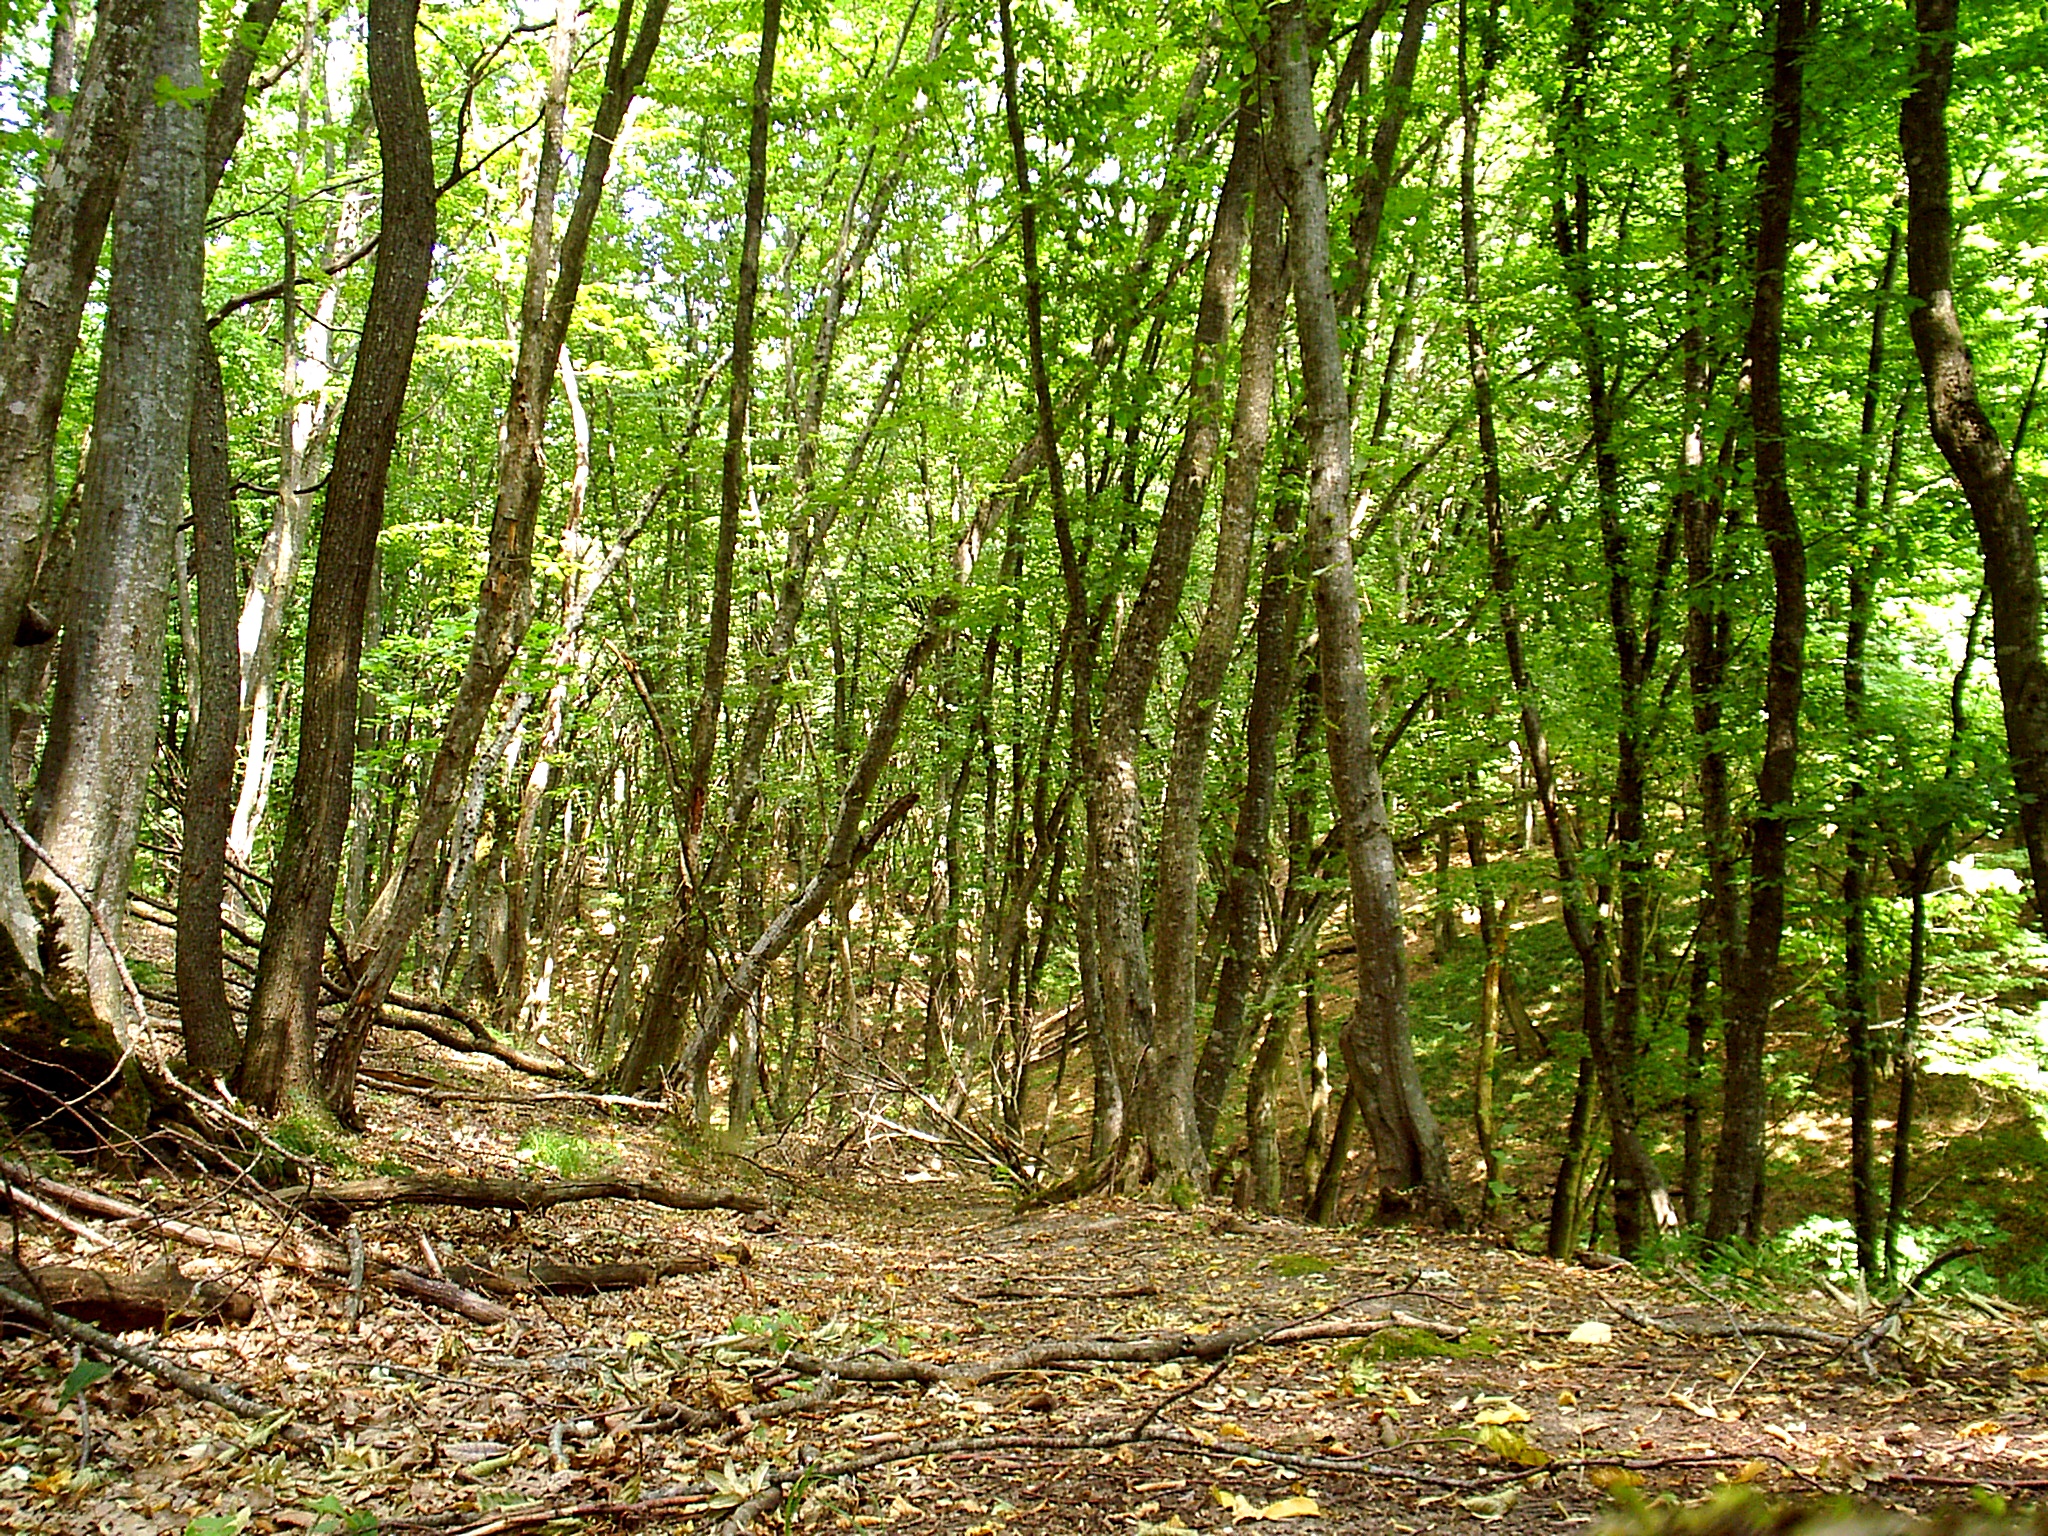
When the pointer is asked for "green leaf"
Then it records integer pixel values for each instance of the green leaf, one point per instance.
(83, 1375)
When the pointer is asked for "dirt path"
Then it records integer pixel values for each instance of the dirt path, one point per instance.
(1548, 1391)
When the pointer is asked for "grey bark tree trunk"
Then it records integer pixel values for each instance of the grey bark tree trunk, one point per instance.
(66, 228)
(1157, 1072)
(103, 714)
(1412, 1168)
(1176, 1129)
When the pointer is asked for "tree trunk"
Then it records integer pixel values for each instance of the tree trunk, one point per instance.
(1276, 626)
(213, 1045)
(1735, 1208)
(1408, 1148)
(1968, 440)
(505, 601)
(1858, 1006)
(101, 738)
(654, 1044)
(277, 1057)
(1157, 1069)
(66, 228)
(1175, 924)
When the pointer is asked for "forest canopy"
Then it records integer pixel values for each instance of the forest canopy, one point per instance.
(1190, 598)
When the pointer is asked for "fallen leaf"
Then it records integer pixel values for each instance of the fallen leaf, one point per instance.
(1296, 1507)
(1981, 1427)
(1508, 1413)
(1750, 1471)
(1592, 1331)
(1491, 1506)
(1514, 1447)
(1613, 1477)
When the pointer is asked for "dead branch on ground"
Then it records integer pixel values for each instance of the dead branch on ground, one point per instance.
(335, 1202)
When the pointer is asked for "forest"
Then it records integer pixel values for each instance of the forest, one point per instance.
(1426, 612)
(851, 750)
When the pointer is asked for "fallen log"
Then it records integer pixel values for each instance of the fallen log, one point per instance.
(334, 1203)
(545, 1277)
(159, 1297)
(291, 1250)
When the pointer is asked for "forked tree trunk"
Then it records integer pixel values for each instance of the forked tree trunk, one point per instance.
(1157, 1069)
(1180, 1143)
(277, 1055)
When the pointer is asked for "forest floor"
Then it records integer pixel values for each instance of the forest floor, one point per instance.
(1434, 1383)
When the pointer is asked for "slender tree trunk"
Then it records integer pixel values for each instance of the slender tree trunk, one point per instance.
(554, 276)
(1276, 627)
(1735, 1209)
(103, 712)
(654, 1044)
(1408, 1148)
(1858, 998)
(1157, 1072)
(213, 1045)
(1179, 1078)
(277, 1057)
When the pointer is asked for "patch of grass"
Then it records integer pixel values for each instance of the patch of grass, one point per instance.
(1292, 1264)
(313, 1135)
(569, 1155)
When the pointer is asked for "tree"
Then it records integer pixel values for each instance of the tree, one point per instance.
(277, 1067)
(101, 737)
(1966, 436)
(1378, 1050)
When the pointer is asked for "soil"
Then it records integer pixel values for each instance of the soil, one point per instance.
(1558, 1387)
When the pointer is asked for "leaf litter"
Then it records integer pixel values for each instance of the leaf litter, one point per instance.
(895, 1348)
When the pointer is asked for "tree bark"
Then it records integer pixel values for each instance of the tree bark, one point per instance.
(1176, 927)
(1412, 1168)
(1968, 441)
(1735, 1208)
(101, 737)
(505, 601)
(277, 1057)
(1858, 1005)
(66, 228)
(213, 1045)
(1158, 1069)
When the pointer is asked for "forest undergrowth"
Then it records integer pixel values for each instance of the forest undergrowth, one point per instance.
(890, 1344)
